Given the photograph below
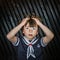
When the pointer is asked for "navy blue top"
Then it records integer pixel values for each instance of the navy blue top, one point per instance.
(22, 50)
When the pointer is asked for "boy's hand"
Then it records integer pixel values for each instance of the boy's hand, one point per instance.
(37, 21)
(24, 21)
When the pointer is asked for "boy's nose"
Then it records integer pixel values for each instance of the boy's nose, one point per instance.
(30, 30)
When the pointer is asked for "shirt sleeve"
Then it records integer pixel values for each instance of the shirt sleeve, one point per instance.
(42, 44)
(17, 42)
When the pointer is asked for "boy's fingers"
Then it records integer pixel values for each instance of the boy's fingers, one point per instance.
(27, 18)
(34, 18)
(37, 19)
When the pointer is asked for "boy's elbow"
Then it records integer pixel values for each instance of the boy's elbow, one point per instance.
(8, 37)
(52, 36)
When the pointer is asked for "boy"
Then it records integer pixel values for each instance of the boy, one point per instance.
(29, 45)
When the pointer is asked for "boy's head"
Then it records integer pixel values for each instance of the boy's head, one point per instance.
(30, 29)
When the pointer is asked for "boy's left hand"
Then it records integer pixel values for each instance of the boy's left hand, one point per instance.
(37, 21)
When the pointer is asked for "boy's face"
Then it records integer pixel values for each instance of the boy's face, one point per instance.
(30, 32)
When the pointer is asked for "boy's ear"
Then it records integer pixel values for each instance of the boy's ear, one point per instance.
(23, 31)
(37, 33)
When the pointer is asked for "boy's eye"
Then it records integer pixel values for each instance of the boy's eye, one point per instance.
(27, 28)
(34, 28)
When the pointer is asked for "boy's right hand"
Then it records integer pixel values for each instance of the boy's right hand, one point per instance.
(24, 21)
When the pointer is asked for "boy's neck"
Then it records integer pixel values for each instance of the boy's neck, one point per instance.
(30, 40)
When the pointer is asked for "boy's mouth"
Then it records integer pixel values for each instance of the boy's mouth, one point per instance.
(30, 34)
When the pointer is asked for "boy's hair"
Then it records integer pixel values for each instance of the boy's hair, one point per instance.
(32, 23)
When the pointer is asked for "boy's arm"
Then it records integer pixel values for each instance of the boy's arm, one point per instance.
(49, 34)
(11, 35)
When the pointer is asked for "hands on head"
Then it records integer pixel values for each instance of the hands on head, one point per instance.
(36, 18)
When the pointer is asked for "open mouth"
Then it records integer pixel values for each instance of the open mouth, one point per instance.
(30, 34)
